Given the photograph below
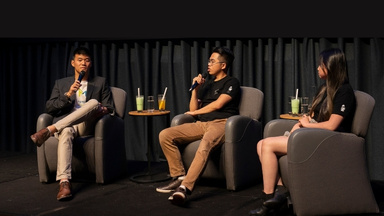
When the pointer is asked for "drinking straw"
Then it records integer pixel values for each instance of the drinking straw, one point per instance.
(297, 92)
(138, 92)
(165, 91)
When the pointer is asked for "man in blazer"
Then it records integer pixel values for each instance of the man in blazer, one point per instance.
(76, 102)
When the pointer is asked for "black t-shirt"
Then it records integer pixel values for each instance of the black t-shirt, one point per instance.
(211, 90)
(344, 104)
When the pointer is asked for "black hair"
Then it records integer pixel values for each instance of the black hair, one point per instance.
(82, 51)
(226, 54)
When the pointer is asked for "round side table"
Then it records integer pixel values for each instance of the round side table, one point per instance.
(150, 176)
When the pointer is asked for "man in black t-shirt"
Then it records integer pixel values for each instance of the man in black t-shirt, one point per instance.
(212, 102)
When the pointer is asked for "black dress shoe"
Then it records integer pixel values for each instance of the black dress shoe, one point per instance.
(171, 187)
(262, 211)
(41, 136)
(280, 197)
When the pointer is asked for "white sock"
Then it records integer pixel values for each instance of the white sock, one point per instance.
(182, 186)
(50, 132)
(65, 180)
(181, 177)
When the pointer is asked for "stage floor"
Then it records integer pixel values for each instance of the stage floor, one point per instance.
(21, 193)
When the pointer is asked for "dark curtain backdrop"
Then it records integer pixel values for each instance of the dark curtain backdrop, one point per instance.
(277, 66)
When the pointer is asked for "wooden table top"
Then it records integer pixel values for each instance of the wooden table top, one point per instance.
(290, 116)
(146, 113)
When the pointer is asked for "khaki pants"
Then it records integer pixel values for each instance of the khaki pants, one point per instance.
(211, 134)
(77, 123)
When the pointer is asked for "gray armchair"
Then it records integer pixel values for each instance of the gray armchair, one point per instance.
(101, 156)
(326, 171)
(233, 160)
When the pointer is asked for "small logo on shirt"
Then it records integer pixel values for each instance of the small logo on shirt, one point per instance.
(342, 108)
(216, 91)
(229, 90)
(81, 92)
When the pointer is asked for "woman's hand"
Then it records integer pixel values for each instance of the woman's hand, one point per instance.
(304, 121)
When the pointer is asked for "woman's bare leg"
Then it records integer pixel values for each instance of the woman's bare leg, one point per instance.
(268, 150)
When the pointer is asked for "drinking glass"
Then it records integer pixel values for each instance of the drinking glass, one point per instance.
(304, 105)
(161, 102)
(139, 103)
(151, 104)
(295, 105)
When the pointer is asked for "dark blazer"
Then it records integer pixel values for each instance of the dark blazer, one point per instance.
(58, 104)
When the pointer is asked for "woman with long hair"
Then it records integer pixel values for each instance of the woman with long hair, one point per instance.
(332, 108)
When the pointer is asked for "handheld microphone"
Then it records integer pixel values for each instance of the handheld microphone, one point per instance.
(196, 83)
(81, 75)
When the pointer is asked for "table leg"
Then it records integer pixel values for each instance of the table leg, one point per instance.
(149, 176)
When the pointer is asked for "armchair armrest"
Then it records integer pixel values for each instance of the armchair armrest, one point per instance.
(109, 139)
(277, 127)
(241, 136)
(181, 119)
(304, 142)
(44, 120)
(328, 166)
(108, 125)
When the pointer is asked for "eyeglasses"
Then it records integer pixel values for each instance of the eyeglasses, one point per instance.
(211, 62)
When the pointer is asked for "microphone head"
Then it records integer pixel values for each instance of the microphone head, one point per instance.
(205, 74)
(81, 75)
